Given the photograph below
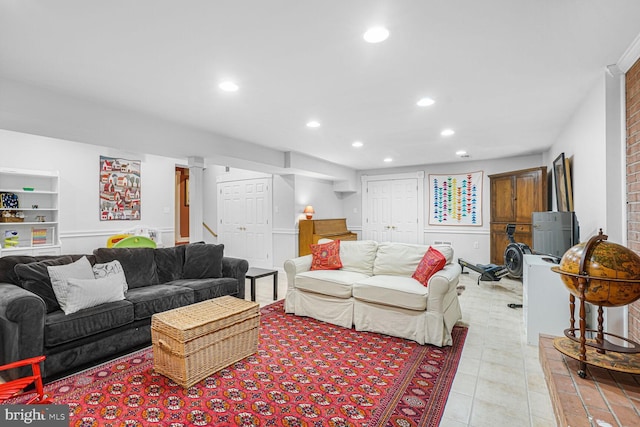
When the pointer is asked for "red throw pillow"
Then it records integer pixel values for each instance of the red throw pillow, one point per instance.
(326, 256)
(431, 262)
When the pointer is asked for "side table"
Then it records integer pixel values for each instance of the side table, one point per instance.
(256, 273)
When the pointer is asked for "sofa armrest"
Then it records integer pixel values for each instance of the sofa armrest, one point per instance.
(441, 284)
(22, 316)
(295, 266)
(236, 268)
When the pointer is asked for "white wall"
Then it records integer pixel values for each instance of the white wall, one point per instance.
(285, 233)
(79, 165)
(318, 193)
(594, 139)
(463, 239)
(583, 141)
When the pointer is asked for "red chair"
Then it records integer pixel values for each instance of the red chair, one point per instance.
(15, 387)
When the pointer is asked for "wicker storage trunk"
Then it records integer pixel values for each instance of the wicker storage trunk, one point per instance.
(192, 342)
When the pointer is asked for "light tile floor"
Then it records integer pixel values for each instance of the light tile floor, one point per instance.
(499, 380)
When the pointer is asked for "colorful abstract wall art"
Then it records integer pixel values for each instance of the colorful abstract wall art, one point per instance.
(455, 199)
(119, 189)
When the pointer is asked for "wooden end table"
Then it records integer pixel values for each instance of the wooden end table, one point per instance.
(256, 273)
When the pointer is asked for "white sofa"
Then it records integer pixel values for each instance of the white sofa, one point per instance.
(374, 291)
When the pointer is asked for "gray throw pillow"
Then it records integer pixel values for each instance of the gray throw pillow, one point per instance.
(203, 261)
(170, 263)
(34, 277)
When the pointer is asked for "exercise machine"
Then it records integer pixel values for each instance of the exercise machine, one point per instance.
(513, 261)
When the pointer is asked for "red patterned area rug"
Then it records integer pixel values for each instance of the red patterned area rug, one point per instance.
(305, 373)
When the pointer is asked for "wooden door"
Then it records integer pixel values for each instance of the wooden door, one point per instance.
(514, 197)
(527, 196)
(502, 199)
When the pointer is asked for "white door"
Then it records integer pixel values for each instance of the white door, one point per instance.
(392, 211)
(245, 220)
(404, 211)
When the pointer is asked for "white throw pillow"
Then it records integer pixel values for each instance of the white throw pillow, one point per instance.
(60, 274)
(111, 269)
(85, 293)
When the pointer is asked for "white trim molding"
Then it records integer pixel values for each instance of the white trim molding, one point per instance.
(630, 56)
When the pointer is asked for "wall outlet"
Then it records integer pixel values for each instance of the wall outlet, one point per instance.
(476, 245)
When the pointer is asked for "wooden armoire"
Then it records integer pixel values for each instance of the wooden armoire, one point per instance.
(514, 197)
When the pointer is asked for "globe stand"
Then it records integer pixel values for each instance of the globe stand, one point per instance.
(598, 351)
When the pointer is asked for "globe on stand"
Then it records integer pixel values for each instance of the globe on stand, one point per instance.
(607, 275)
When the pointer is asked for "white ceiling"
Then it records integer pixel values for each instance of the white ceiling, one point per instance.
(506, 74)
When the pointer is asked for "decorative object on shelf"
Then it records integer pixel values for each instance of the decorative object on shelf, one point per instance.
(12, 216)
(11, 238)
(41, 218)
(119, 189)
(34, 206)
(604, 274)
(9, 201)
(308, 211)
(39, 236)
(28, 188)
(562, 176)
(455, 199)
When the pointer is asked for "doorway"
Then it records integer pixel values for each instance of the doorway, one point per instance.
(182, 206)
(392, 208)
(244, 214)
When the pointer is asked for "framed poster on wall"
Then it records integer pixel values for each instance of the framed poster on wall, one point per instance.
(562, 178)
(119, 189)
(455, 199)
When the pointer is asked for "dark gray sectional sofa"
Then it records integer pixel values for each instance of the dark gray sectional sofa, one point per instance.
(32, 323)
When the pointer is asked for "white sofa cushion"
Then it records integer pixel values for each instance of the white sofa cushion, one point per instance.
(358, 255)
(445, 250)
(336, 283)
(397, 291)
(398, 259)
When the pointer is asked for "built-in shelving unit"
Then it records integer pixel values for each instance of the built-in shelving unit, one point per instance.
(35, 231)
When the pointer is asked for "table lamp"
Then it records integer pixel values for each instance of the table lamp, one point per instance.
(308, 211)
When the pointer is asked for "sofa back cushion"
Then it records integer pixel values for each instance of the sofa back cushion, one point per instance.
(398, 259)
(203, 261)
(7, 264)
(138, 264)
(358, 255)
(445, 250)
(170, 263)
(34, 277)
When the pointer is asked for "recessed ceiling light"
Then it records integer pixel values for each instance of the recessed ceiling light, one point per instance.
(388, 159)
(447, 132)
(313, 124)
(462, 153)
(425, 102)
(376, 34)
(357, 144)
(228, 86)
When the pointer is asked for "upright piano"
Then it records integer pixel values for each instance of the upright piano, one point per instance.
(312, 230)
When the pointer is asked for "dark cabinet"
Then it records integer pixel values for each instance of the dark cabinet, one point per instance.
(514, 197)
